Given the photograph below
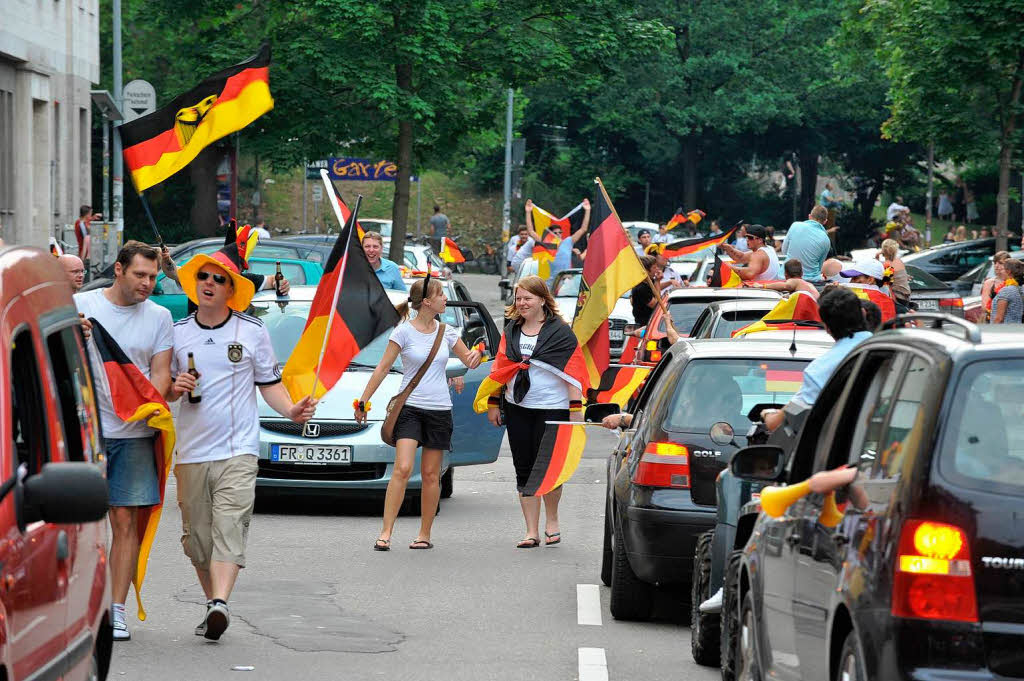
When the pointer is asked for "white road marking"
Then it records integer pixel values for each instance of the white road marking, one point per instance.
(593, 665)
(588, 604)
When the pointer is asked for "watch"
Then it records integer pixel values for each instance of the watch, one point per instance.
(622, 421)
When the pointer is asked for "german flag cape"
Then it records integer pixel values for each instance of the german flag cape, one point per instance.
(557, 351)
(618, 383)
(161, 143)
(560, 452)
(544, 254)
(450, 252)
(876, 296)
(135, 399)
(798, 307)
(723, 276)
(687, 246)
(361, 312)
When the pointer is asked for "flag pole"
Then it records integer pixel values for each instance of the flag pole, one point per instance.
(341, 273)
(152, 222)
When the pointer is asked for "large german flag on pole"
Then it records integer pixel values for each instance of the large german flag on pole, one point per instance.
(135, 399)
(610, 269)
(561, 449)
(350, 308)
(687, 246)
(160, 144)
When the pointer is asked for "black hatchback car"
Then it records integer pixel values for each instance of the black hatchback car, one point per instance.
(689, 419)
(920, 575)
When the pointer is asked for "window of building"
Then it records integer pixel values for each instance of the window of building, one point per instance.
(6, 152)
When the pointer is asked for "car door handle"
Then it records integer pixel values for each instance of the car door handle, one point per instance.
(62, 546)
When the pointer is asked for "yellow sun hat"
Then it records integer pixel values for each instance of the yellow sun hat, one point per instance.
(233, 258)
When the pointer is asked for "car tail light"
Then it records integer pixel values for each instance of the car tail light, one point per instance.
(653, 353)
(664, 464)
(933, 578)
(951, 302)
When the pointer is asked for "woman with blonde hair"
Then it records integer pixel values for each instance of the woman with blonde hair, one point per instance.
(538, 376)
(900, 283)
(961, 233)
(426, 418)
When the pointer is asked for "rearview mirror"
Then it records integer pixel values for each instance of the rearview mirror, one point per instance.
(596, 412)
(67, 493)
(758, 462)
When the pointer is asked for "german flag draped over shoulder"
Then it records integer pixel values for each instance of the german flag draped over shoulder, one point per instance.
(618, 383)
(135, 399)
(723, 276)
(798, 307)
(876, 296)
(687, 246)
(561, 449)
(161, 143)
(361, 313)
(610, 269)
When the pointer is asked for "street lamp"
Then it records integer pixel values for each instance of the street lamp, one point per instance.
(108, 109)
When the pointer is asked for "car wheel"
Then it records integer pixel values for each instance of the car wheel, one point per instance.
(851, 665)
(606, 550)
(448, 483)
(101, 653)
(748, 663)
(730, 617)
(705, 629)
(631, 598)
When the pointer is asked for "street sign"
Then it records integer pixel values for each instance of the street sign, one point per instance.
(318, 192)
(138, 99)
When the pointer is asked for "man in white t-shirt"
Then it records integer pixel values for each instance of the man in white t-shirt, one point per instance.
(143, 331)
(218, 434)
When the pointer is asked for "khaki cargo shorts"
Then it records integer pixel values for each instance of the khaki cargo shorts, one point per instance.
(216, 500)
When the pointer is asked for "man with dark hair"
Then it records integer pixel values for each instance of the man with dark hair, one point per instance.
(872, 315)
(643, 240)
(143, 331)
(387, 271)
(85, 216)
(760, 262)
(793, 271)
(808, 241)
(841, 313)
(439, 226)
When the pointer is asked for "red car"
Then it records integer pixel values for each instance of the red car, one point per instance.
(54, 590)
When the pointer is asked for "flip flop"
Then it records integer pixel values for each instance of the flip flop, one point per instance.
(421, 544)
(382, 545)
(528, 543)
(557, 535)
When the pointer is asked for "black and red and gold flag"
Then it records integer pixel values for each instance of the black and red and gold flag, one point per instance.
(687, 246)
(161, 143)
(723, 276)
(679, 218)
(618, 383)
(561, 449)
(134, 399)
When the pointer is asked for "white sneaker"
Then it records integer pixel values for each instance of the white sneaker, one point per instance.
(217, 619)
(120, 627)
(713, 604)
(201, 628)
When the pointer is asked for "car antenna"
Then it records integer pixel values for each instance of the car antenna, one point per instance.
(792, 345)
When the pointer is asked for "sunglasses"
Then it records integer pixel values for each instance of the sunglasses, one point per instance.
(217, 278)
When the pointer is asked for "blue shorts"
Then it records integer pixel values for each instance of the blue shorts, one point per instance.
(131, 472)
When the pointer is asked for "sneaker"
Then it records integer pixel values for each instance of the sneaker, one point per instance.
(713, 604)
(120, 627)
(201, 628)
(217, 619)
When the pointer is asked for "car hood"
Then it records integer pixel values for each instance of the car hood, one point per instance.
(337, 403)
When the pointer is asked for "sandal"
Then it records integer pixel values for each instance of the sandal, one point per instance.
(421, 544)
(557, 536)
(528, 543)
(382, 545)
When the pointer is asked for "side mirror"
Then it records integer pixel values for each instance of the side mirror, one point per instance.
(759, 463)
(67, 493)
(596, 412)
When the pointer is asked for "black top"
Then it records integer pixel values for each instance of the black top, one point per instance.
(642, 295)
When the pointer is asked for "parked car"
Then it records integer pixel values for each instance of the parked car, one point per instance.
(507, 285)
(949, 261)
(916, 574)
(721, 318)
(970, 283)
(932, 295)
(360, 463)
(566, 291)
(691, 415)
(471, 325)
(55, 619)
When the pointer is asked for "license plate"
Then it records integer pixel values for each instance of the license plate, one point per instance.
(928, 304)
(311, 454)
(615, 334)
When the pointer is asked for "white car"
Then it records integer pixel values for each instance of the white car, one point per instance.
(566, 290)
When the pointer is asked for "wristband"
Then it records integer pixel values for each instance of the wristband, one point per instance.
(575, 405)
(360, 405)
(493, 401)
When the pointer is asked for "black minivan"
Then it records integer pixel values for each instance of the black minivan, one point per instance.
(920, 574)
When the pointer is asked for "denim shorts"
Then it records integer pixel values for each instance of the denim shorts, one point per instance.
(131, 471)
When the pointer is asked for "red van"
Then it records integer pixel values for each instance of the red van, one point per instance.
(54, 586)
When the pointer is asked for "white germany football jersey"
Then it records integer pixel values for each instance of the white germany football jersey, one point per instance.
(232, 359)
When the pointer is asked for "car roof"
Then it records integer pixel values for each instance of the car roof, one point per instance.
(729, 348)
(681, 294)
(742, 305)
(304, 294)
(952, 246)
(958, 339)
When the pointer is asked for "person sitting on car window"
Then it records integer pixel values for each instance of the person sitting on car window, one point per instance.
(793, 270)
(841, 313)
(760, 263)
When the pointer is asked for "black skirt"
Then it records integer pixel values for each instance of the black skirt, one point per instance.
(429, 427)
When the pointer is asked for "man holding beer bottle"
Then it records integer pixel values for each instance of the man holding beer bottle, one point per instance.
(221, 357)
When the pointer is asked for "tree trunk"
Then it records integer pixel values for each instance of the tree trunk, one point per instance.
(808, 181)
(203, 173)
(689, 174)
(400, 210)
(1006, 140)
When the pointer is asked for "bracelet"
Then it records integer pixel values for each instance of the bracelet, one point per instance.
(362, 406)
(493, 401)
(575, 405)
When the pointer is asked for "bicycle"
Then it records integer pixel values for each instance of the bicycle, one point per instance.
(489, 260)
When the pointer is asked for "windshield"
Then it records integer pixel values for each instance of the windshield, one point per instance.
(985, 442)
(285, 325)
(382, 227)
(568, 285)
(713, 390)
(685, 314)
(919, 279)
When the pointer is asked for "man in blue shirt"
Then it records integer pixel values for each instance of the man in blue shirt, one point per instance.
(808, 242)
(840, 310)
(387, 271)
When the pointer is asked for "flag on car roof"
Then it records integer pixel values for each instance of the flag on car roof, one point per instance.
(723, 276)
(787, 315)
(618, 383)
(687, 246)
(160, 144)
(879, 298)
(134, 399)
(350, 309)
(561, 449)
(450, 252)
(610, 269)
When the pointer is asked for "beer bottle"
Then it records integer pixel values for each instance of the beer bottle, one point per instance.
(277, 279)
(195, 396)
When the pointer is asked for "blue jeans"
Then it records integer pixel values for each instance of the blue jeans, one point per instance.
(131, 471)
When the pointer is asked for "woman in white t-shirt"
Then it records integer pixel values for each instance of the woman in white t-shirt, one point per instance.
(426, 419)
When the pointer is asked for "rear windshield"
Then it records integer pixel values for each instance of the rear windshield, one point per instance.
(731, 321)
(713, 390)
(684, 314)
(984, 446)
(568, 285)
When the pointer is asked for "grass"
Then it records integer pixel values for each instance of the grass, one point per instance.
(939, 227)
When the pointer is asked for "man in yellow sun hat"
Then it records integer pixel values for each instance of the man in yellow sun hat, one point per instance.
(218, 425)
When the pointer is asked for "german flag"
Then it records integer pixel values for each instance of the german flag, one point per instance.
(346, 212)
(450, 252)
(786, 315)
(687, 246)
(543, 220)
(879, 298)
(160, 144)
(353, 303)
(610, 269)
(135, 399)
(723, 276)
(544, 254)
(618, 383)
(781, 381)
(679, 218)
(560, 452)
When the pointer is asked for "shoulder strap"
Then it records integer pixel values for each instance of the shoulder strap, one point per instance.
(426, 365)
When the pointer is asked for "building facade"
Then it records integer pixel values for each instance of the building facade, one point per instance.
(49, 59)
